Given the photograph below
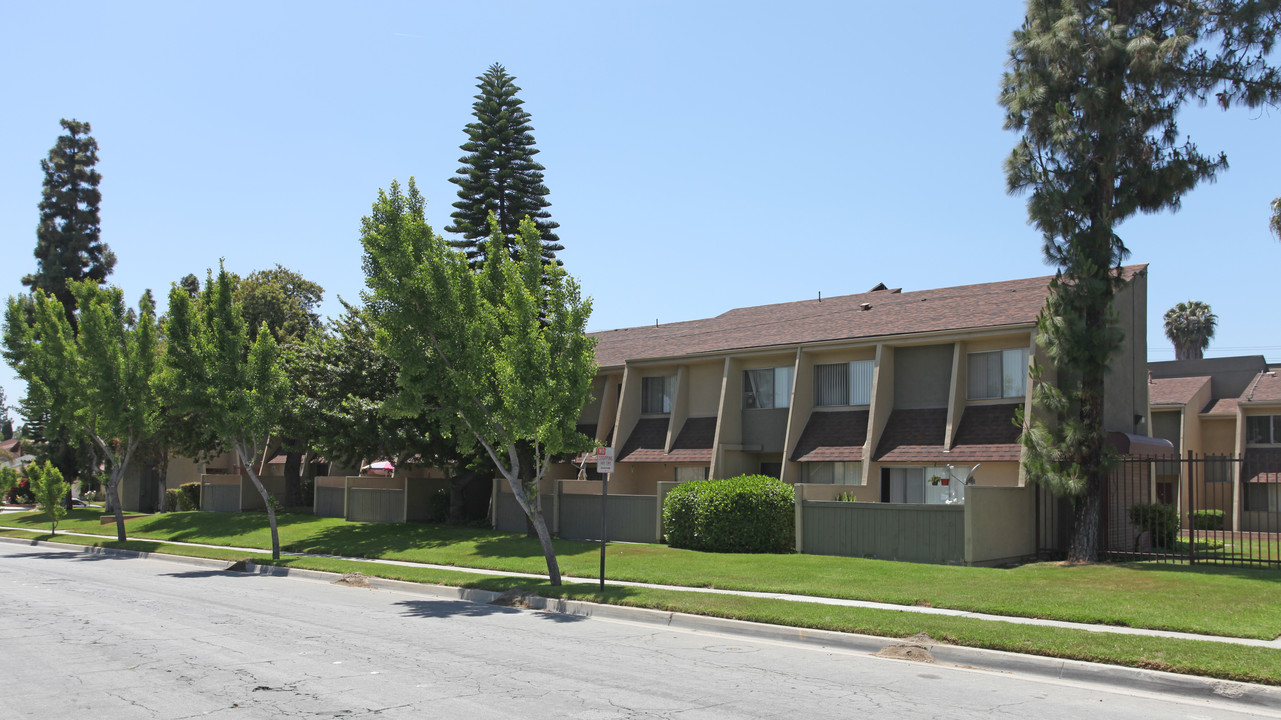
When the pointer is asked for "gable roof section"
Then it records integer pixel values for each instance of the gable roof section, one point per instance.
(1266, 388)
(694, 443)
(985, 305)
(1175, 391)
(647, 441)
(833, 437)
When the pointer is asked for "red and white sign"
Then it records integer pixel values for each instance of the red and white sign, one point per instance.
(605, 460)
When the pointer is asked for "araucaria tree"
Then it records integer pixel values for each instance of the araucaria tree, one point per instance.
(1190, 325)
(1095, 86)
(68, 247)
(499, 175)
(96, 383)
(498, 356)
(216, 377)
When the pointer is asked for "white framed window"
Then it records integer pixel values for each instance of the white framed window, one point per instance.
(767, 388)
(656, 394)
(686, 473)
(833, 473)
(847, 383)
(1263, 429)
(996, 374)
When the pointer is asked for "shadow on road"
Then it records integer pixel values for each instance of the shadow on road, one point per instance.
(77, 556)
(450, 608)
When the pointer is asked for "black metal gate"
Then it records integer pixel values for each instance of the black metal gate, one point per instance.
(1207, 509)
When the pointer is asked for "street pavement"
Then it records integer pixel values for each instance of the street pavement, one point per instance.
(99, 635)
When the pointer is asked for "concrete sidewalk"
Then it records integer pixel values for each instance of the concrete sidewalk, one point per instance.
(1116, 629)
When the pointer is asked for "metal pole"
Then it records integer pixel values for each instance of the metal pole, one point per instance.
(604, 496)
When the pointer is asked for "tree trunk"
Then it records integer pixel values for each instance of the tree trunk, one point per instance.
(1086, 515)
(266, 499)
(113, 498)
(534, 514)
(293, 477)
(457, 486)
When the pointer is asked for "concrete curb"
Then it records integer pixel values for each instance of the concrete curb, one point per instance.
(1133, 679)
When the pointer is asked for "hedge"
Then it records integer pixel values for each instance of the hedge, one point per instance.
(748, 514)
(1161, 520)
(1207, 519)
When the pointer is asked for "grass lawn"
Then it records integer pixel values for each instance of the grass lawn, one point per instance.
(1211, 659)
(1238, 602)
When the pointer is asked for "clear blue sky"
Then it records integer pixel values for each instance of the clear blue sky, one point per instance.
(701, 156)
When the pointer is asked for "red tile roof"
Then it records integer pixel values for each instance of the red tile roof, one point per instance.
(849, 317)
(1175, 391)
(833, 437)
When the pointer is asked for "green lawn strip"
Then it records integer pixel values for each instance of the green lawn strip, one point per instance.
(1229, 601)
(1204, 658)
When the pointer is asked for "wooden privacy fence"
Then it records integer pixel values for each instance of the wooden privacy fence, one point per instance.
(995, 525)
(236, 493)
(360, 498)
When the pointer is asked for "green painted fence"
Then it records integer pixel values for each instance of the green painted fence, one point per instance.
(914, 533)
(630, 518)
(375, 505)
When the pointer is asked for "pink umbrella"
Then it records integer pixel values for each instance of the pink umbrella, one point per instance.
(381, 465)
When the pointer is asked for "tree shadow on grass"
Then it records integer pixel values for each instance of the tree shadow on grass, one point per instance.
(383, 539)
(219, 527)
(1265, 574)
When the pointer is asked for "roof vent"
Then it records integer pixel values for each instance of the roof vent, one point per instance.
(879, 286)
(865, 306)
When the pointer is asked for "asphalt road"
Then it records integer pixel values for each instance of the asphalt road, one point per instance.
(107, 637)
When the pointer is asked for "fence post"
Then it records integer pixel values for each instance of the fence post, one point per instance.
(1190, 470)
(798, 493)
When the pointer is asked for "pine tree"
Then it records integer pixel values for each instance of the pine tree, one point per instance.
(67, 244)
(1095, 87)
(499, 173)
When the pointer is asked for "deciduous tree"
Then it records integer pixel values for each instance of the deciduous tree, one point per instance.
(1095, 87)
(498, 356)
(213, 373)
(49, 489)
(97, 382)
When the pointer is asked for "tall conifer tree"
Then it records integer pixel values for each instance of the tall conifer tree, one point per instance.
(68, 247)
(499, 174)
(1094, 87)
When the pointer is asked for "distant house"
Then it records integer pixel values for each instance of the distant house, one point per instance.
(1228, 411)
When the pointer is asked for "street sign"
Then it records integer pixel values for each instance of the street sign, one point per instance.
(605, 460)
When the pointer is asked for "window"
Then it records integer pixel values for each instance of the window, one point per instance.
(656, 394)
(922, 485)
(1262, 497)
(843, 383)
(1217, 469)
(767, 388)
(834, 473)
(997, 374)
(1263, 430)
(685, 473)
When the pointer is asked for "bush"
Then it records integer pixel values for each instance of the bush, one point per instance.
(21, 495)
(750, 513)
(1161, 520)
(1207, 519)
(189, 496)
(173, 499)
(438, 506)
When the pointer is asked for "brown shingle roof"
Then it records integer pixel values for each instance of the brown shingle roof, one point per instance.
(986, 305)
(1266, 387)
(1224, 406)
(647, 441)
(913, 436)
(833, 437)
(694, 443)
(987, 434)
(1175, 391)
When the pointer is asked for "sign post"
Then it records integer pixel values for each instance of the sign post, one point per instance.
(604, 466)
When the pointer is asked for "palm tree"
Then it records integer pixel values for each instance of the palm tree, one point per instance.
(1274, 224)
(1190, 325)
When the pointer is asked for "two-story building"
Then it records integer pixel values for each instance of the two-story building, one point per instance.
(897, 395)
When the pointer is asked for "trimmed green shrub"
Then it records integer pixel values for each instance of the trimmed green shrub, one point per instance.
(189, 496)
(747, 514)
(173, 499)
(1159, 519)
(1207, 519)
